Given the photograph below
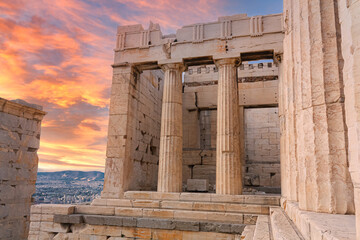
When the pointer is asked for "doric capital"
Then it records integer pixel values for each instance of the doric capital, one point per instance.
(227, 61)
(172, 64)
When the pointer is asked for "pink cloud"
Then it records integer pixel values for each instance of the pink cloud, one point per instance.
(58, 54)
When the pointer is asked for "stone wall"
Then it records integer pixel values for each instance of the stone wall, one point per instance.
(134, 131)
(199, 154)
(262, 148)
(199, 124)
(20, 125)
(62, 221)
(146, 138)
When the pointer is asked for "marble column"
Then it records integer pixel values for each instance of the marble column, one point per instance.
(350, 45)
(228, 162)
(170, 157)
(118, 167)
(315, 94)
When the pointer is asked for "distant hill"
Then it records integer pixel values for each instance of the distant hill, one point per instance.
(71, 176)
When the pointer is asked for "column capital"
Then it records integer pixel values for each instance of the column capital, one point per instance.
(227, 61)
(172, 64)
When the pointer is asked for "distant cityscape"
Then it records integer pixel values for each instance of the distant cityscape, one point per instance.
(67, 187)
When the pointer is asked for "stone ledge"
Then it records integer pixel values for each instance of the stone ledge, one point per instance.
(96, 210)
(268, 199)
(75, 218)
(21, 108)
(121, 233)
(230, 217)
(168, 205)
(22, 102)
(152, 223)
(323, 226)
(64, 209)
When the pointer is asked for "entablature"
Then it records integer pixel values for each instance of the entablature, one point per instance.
(201, 43)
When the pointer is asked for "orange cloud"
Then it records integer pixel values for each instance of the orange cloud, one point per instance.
(10, 8)
(58, 54)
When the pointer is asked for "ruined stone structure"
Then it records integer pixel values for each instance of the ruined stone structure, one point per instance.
(20, 125)
(223, 126)
(138, 50)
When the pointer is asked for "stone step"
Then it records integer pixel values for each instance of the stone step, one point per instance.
(248, 233)
(327, 226)
(151, 223)
(264, 199)
(262, 228)
(184, 205)
(240, 218)
(281, 226)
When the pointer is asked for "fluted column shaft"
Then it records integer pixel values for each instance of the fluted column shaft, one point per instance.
(313, 105)
(170, 157)
(350, 28)
(228, 162)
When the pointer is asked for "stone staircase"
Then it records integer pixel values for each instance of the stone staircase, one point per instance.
(189, 215)
(276, 226)
(239, 209)
(248, 233)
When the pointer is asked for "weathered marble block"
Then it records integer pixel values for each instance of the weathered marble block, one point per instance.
(197, 185)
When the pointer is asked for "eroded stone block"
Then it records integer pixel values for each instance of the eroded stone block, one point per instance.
(215, 227)
(73, 219)
(155, 223)
(57, 209)
(54, 227)
(130, 212)
(187, 225)
(97, 210)
(197, 185)
(158, 213)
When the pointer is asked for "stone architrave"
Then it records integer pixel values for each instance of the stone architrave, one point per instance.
(228, 161)
(170, 157)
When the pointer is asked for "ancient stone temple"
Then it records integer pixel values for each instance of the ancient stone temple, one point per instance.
(208, 125)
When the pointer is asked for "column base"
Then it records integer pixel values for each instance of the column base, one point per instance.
(314, 225)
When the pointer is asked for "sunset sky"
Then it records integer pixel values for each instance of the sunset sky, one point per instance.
(57, 53)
